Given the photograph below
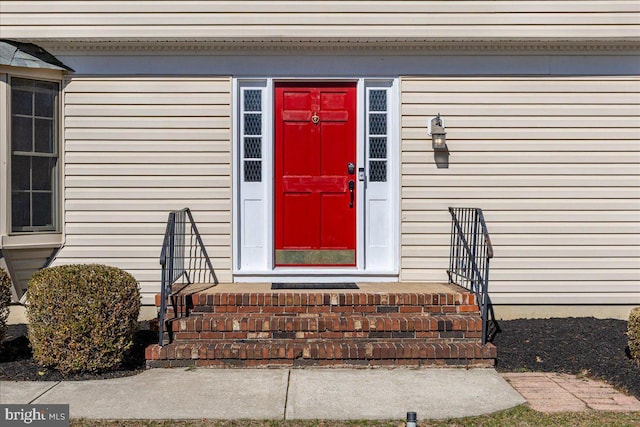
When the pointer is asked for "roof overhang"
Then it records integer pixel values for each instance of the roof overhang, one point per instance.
(28, 55)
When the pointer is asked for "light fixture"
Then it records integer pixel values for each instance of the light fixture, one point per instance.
(438, 135)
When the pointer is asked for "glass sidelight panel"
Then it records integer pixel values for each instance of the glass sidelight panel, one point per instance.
(378, 170)
(252, 100)
(251, 134)
(382, 157)
(377, 134)
(253, 139)
(377, 100)
(377, 124)
(252, 148)
(378, 147)
(252, 124)
(252, 170)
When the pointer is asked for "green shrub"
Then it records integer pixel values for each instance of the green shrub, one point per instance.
(634, 333)
(5, 299)
(82, 318)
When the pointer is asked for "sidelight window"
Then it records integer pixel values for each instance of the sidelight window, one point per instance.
(251, 134)
(377, 134)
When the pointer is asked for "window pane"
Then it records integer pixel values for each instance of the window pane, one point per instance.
(378, 100)
(21, 102)
(22, 84)
(378, 171)
(33, 131)
(19, 211)
(252, 148)
(252, 171)
(46, 86)
(20, 173)
(42, 173)
(44, 135)
(252, 100)
(253, 124)
(42, 209)
(45, 103)
(378, 124)
(21, 134)
(378, 148)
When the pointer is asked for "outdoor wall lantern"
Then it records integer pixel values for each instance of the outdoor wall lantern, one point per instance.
(438, 134)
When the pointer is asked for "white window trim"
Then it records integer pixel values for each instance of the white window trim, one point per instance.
(4, 137)
(325, 274)
(30, 239)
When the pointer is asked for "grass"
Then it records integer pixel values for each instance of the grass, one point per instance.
(521, 416)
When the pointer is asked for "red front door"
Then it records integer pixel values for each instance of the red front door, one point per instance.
(315, 157)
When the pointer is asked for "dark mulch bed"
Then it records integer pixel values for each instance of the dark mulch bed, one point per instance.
(17, 364)
(596, 348)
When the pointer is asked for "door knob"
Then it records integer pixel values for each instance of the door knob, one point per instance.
(351, 168)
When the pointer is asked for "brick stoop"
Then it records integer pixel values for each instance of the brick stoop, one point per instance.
(323, 328)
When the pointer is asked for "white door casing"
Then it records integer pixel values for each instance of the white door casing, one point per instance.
(378, 203)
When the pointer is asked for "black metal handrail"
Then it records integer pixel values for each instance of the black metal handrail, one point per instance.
(469, 257)
(183, 257)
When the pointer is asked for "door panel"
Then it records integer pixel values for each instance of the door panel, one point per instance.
(334, 153)
(331, 225)
(297, 146)
(296, 234)
(315, 140)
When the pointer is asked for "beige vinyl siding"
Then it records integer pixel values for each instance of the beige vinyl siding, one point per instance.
(555, 165)
(136, 148)
(320, 19)
(23, 263)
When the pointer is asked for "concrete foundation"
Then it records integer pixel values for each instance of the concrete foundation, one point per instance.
(508, 312)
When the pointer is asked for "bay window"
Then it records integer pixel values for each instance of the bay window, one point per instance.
(33, 161)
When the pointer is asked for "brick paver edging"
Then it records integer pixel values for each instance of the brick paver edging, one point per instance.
(553, 392)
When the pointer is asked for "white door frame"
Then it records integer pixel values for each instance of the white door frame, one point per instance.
(253, 208)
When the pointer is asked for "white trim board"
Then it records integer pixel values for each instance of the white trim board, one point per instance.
(343, 46)
(327, 65)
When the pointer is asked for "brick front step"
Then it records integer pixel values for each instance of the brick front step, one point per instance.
(320, 353)
(329, 298)
(297, 303)
(377, 325)
(328, 327)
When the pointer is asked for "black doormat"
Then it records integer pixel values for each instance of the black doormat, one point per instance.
(345, 285)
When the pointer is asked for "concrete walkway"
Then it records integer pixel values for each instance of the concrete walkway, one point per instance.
(276, 394)
(318, 394)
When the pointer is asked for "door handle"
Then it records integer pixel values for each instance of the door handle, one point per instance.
(352, 186)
